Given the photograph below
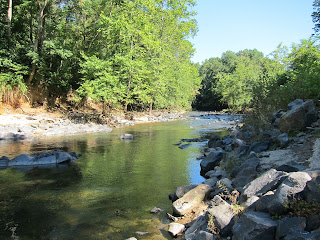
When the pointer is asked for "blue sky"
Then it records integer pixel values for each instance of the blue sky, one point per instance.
(262, 24)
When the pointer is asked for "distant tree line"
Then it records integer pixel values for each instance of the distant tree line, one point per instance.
(123, 53)
(249, 81)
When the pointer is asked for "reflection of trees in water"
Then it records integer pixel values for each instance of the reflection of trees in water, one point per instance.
(26, 211)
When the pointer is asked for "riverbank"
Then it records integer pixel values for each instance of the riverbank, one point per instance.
(261, 184)
(28, 123)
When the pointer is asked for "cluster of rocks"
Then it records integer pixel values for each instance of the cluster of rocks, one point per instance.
(19, 126)
(46, 159)
(256, 190)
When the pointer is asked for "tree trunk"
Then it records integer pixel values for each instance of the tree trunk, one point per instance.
(38, 35)
(9, 20)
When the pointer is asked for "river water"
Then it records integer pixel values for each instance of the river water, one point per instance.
(109, 192)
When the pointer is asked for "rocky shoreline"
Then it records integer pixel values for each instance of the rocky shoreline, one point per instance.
(15, 127)
(261, 184)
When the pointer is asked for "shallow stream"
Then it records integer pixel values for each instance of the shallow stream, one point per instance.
(109, 192)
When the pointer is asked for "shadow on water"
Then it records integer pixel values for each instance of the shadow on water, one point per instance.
(109, 192)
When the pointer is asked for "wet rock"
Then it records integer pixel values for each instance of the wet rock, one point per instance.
(211, 161)
(254, 225)
(268, 181)
(172, 218)
(287, 224)
(184, 146)
(141, 233)
(4, 162)
(126, 136)
(292, 185)
(156, 210)
(300, 115)
(49, 158)
(175, 229)
(191, 199)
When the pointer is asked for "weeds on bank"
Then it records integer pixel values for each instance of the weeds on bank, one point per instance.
(232, 197)
(211, 225)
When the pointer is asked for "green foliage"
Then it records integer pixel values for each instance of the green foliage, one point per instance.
(129, 53)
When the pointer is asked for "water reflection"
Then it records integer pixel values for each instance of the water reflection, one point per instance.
(108, 192)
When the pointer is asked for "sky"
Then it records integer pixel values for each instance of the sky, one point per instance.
(248, 24)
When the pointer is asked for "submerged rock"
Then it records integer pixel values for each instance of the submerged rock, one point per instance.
(49, 158)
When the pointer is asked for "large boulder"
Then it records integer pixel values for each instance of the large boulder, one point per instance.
(292, 185)
(254, 225)
(191, 199)
(262, 146)
(285, 225)
(48, 158)
(211, 161)
(221, 212)
(180, 191)
(247, 172)
(300, 115)
(268, 181)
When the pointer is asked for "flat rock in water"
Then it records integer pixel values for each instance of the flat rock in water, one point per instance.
(126, 136)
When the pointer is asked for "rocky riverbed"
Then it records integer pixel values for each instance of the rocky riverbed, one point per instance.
(261, 184)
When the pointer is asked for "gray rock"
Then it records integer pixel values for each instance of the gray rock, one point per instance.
(313, 223)
(302, 235)
(212, 160)
(191, 199)
(200, 224)
(180, 191)
(262, 204)
(250, 203)
(300, 115)
(254, 225)
(291, 168)
(286, 224)
(215, 141)
(48, 158)
(221, 212)
(126, 136)
(258, 147)
(4, 162)
(268, 181)
(156, 210)
(211, 182)
(132, 238)
(175, 229)
(293, 184)
(312, 190)
(202, 235)
(184, 146)
(283, 140)
(248, 172)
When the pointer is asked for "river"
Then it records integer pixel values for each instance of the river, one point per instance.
(109, 192)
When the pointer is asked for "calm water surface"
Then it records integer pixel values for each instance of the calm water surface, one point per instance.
(109, 191)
